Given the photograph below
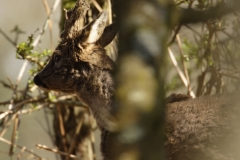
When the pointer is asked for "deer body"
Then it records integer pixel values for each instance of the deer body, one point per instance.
(195, 128)
(205, 128)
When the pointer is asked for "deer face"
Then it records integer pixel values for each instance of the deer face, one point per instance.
(77, 56)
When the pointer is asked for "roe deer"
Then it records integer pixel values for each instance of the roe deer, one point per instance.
(204, 128)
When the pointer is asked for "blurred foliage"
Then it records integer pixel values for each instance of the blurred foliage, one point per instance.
(210, 47)
(210, 54)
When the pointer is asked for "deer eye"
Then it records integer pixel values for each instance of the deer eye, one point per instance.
(57, 58)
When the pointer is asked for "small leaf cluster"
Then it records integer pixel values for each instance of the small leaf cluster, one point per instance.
(25, 50)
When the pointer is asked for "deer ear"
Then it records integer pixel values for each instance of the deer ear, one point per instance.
(93, 31)
(108, 35)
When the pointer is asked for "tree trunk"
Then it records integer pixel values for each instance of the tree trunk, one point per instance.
(139, 98)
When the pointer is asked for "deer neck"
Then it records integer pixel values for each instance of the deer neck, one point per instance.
(96, 89)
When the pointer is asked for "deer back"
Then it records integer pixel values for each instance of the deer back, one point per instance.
(205, 128)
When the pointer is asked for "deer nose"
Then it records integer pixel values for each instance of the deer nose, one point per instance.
(37, 80)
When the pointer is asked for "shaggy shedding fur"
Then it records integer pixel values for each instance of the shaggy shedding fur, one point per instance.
(205, 128)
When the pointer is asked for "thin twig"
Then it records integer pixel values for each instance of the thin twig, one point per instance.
(17, 123)
(59, 100)
(5, 102)
(41, 125)
(91, 139)
(56, 3)
(221, 9)
(8, 38)
(229, 75)
(110, 11)
(16, 107)
(62, 128)
(50, 21)
(175, 34)
(18, 81)
(11, 107)
(180, 73)
(21, 152)
(95, 3)
(90, 150)
(183, 64)
(193, 30)
(21, 147)
(56, 151)
(26, 111)
(74, 139)
(7, 124)
(13, 117)
(11, 86)
(48, 127)
(233, 71)
(69, 102)
(10, 82)
(92, 143)
(14, 133)
(181, 52)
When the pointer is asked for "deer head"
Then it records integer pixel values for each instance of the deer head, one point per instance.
(80, 65)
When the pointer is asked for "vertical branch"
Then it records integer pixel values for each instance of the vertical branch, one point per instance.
(109, 11)
(50, 22)
(74, 140)
(140, 79)
(62, 129)
(16, 120)
(92, 144)
(14, 133)
(182, 58)
(95, 3)
(22, 70)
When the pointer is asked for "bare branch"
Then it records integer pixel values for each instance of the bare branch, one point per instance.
(50, 21)
(56, 151)
(73, 143)
(18, 146)
(194, 16)
(18, 106)
(95, 3)
(185, 81)
(62, 128)
(8, 38)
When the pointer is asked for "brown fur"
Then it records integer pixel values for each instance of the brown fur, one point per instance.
(204, 128)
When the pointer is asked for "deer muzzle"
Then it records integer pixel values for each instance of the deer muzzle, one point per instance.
(37, 80)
